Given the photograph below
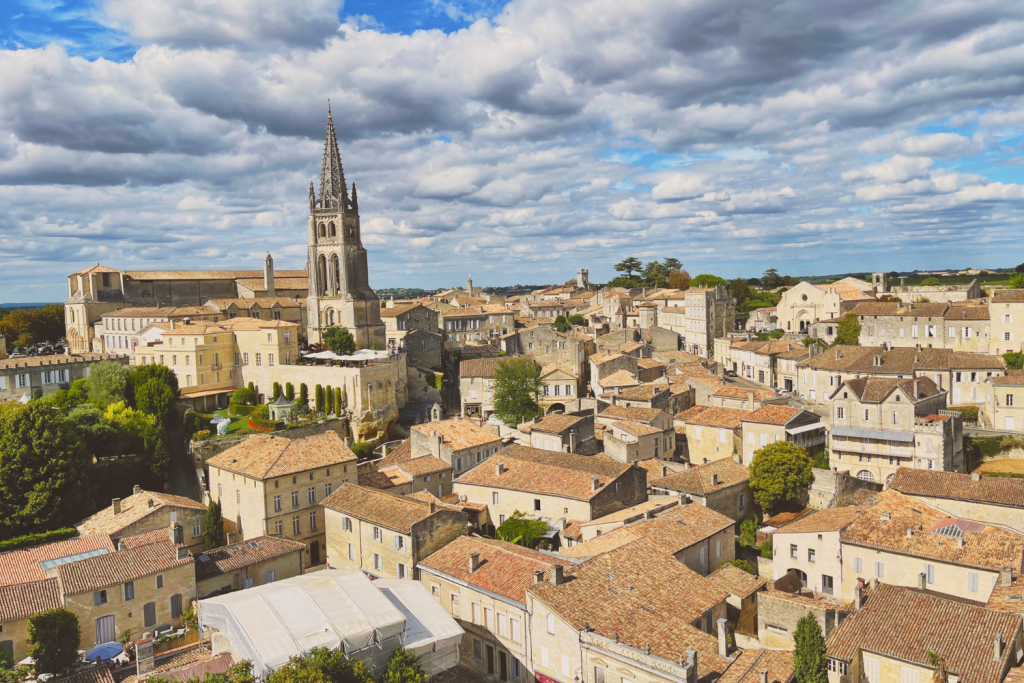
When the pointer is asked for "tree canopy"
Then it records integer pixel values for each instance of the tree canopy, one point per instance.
(1014, 360)
(517, 388)
(110, 382)
(848, 331)
(213, 526)
(25, 327)
(403, 667)
(521, 530)
(561, 324)
(771, 279)
(43, 464)
(928, 282)
(708, 280)
(1017, 281)
(55, 637)
(678, 279)
(780, 473)
(321, 665)
(810, 659)
(340, 341)
(628, 265)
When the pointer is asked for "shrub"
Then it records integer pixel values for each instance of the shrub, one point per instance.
(328, 399)
(970, 413)
(303, 395)
(260, 413)
(213, 526)
(748, 531)
(767, 551)
(55, 636)
(319, 399)
(237, 410)
(741, 564)
(201, 435)
(273, 425)
(244, 396)
(29, 540)
(277, 391)
(362, 449)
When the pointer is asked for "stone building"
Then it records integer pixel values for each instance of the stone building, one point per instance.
(879, 425)
(713, 433)
(457, 442)
(722, 486)
(272, 486)
(145, 511)
(936, 293)
(401, 319)
(383, 535)
(482, 583)
(402, 472)
(565, 433)
(991, 500)
(782, 423)
(1006, 311)
(263, 308)
(805, 303)
(941, 325)
(339, 286)
(255, 562)
(120, 331)
(710, 313)
(24, 378)
(569, 350)
(1004, 402)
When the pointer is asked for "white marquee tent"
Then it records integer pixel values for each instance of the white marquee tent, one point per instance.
(337, 609)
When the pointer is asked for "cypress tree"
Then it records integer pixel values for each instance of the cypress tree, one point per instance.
(277, 391)
(303, 395)
(319, 399)
(213, 531)
(289, 391)
(338, 405)
(328, 400)
(810, 659)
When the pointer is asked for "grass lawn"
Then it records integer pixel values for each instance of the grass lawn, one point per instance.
(239, 424)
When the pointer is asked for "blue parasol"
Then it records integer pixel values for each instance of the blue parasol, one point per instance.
(104, 651)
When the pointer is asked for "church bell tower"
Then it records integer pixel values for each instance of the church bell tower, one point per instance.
(339, 288)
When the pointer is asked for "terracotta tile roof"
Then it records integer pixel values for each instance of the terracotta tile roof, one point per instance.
(551, 472)
(847, 292)
(133, 508)
(636, 428)
(449, 502)
(260, 301)
(635, 414)
(394, 512)
(160, 312)
(649, 363)
(228, 558)
(995, 490)
(833, 519)
(619, 378)
(700, 479)
(906, 624)
(401, 457)
(731, 578)
(458, 434)
(100, 674)
(1008, 296)
(899, 361)
(554, 423)
(633, 513)
(644, 392)
(717, 416)
(983, 546)
(691, 414)
(116, 568)
(573, 529)
(548, 369)
(1012, 378)
(480, 367)
(209, 274)
(145, 538)
(602, 358)
(265, 457)
(463, 313)
(1008, 598)
(257, 285)
(733, 391)
(96, 269)
(773, 415)
(22, 566)
(644, 598)
(630, 346)
(967, 313)
(747, 667)
(397, 310)
(22, 600)
(505, 568)
(377, 480)
(672, 531)
(877, 389)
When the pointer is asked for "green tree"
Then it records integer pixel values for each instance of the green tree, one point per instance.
(24, 327)
(213, 526)
(740, 291)
(655, 274)
(73, 397)
(289, 391)
(848, 331)
(244, 396)
(144, 373)
(252, 388)
(403, 667)
(707, 280)
(303, 395)
(340, 341)
(672, 264)
(739, 564)
(1014, 360)
(338, 402)
(561, 324)
(321, 665)
(154, 397)
(931, 281)
(277, 391)
(628, 266)
(1017, 281)
(517, 388)
(577, 320)
(110, 382)
(55, 637)
(43, 464)
(679, 279)
(363, 450)
(779, 473)
(810, 659)
(771, 279)
(319, 399)
(521, 530)
(328, 399)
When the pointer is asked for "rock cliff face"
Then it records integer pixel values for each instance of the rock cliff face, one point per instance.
(372, 425)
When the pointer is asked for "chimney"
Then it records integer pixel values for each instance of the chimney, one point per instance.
(1006, 577)
(976, 476)
(172, 324)
(177, 534)
(648, 514)
(750, 400)
(572, 441)
(763, 675)
(691, 666)
(149, 503)
(595, 484)
(837, 354)
(182, 552)
(431, 507)
(910, 533)
(723, 638)
(997, 652)
(384, 451)
(714, 480)
(474, 562)
(916, 394)
(858, 595)
(922, 580)
(874, 583)
(136, 490)
(557, 575)
(538, 576)
(886, 515)
(144, 657)
(499, 468)
(664, 470)
(878, 361)
(960, 542)
(116, 505)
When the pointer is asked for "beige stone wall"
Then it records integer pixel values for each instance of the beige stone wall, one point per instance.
(129, 615)
(735, 502)
(200, 361)
(826, 548)
(284, 567)
(160, 518)
(1001, 326)
(707, 555)
(250, 503)
(363, 547)
(708, 444)
(17, 633)
(494, 627)
(556, 654)
(1006, 515)
(998, 415)
(757, 435)
(509, 501)
(903, 570)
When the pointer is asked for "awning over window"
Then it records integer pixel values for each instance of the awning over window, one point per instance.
(878, 434)
(805, 428)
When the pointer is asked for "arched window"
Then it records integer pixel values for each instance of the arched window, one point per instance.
(864, 475)
(321, 279)
(337, 274)
(323, 230)
(331, 231)
(330, 317)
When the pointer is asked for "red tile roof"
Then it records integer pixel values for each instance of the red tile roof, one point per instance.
(267, 457)
(22, 566)
(117, 568)
(22, 600)
(228, 558)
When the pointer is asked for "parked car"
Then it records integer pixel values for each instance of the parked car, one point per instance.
(731, 373)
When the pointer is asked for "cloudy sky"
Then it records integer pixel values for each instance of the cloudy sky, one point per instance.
(517, 141)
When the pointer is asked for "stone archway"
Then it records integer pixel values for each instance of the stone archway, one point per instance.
(557, 408)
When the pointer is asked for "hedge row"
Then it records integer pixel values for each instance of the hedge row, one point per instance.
(37, 539)
(239, 409)
(266, 424)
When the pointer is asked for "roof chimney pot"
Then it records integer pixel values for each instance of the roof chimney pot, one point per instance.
(474, 562)
(595, 483)
(115, 504)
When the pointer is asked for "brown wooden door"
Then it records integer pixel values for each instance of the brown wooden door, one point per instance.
(503, 666)
(490, 660)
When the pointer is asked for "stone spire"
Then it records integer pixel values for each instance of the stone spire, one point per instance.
(333, 191)
(312, 197)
